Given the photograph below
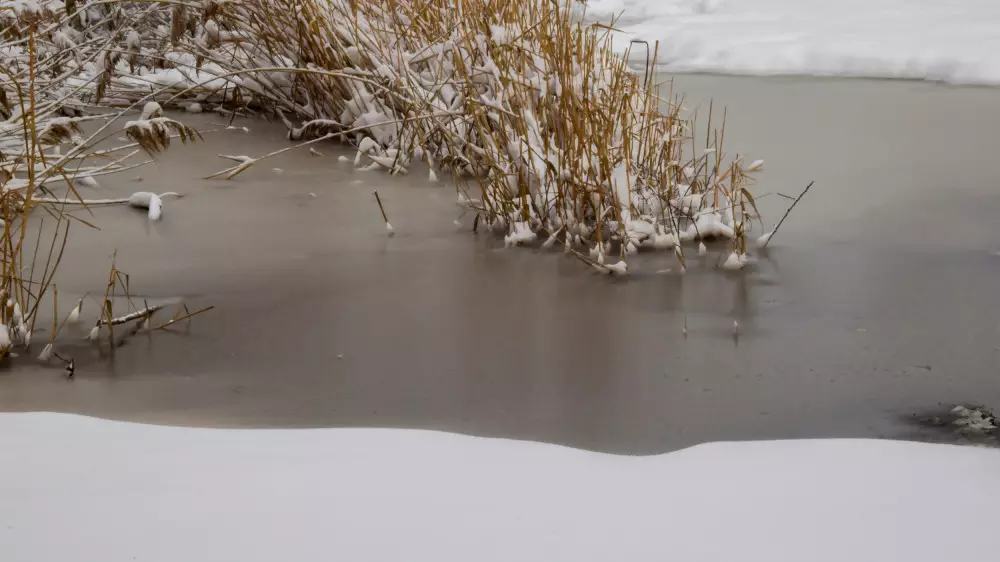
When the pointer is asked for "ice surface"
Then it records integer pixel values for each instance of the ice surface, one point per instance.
(954, 41)
(78, 488)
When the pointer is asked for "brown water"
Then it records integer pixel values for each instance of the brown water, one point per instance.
(876, 301)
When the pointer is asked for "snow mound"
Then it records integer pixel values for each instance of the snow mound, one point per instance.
(953, 41)
(77, 488)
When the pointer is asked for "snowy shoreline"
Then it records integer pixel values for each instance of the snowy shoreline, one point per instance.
(90, 489)
(952, 42)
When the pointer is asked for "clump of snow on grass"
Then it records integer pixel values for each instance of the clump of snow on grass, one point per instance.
(155, 207)
(150, 110)
(74, 315)
(710, 224)
(618, 268)
(152, 202)
(733, 262)
(520, 233)
(86, 181)
(764, 239)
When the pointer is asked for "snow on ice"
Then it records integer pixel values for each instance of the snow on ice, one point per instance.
(77, 488)
(952, 41)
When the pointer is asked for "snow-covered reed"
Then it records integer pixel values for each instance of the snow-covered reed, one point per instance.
(49, 145)
(547, 133)
(539, 122)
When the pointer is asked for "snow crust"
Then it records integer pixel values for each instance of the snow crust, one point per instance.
(953, 41)
(78, 488)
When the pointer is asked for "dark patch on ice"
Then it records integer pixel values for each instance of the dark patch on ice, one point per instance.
(963, 424)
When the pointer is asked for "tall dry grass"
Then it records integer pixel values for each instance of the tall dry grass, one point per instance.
(549, 136)
(546, 130)
(49, 139)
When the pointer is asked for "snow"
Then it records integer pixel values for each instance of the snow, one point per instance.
(953, 41)
(973, 419)
(618, 268)
(78, 488)
(733, 262)
(709, 225)
(664, 241)
(155, 208)
(74, 315)
(150, 110)
(87, 181)
(141, 199)
(520, 233)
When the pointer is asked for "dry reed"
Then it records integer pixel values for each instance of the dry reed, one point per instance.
(548, 134)
(56, 60)
(544, 128)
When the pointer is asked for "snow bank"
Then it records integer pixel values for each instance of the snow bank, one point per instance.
(76, 488)
(954, 41)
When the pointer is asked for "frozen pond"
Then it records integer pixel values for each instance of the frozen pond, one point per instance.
(876, 301)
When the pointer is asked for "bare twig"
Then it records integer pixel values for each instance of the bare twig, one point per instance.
(182, 318)
(143, 313)
(787, 211)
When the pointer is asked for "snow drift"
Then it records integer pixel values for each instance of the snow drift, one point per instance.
(953, 41)
(86, 489)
